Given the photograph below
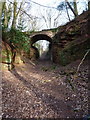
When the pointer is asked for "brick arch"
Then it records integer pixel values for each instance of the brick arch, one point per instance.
(38, 37)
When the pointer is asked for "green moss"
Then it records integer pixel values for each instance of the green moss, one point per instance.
(6, 57)
(54, 30)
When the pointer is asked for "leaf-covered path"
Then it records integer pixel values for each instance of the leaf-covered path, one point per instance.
(43, 90)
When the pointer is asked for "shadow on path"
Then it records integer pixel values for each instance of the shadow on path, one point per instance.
(58, 106)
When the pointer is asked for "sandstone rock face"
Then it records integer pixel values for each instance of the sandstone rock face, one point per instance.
(71, 41)
(34, 53)
(6, 57)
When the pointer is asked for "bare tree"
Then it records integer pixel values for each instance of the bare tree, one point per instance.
(50, 17)
(1, 6)
(75, 7)
(5, 14)
(73, 10)
(88, 5)
(67, 12)
(15, 13)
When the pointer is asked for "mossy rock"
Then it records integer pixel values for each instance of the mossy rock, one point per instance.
(54, 30)
(18, 59)
(6, 66)
(6, 53)
(6, 56)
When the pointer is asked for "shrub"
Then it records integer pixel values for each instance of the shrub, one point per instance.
(19, 40)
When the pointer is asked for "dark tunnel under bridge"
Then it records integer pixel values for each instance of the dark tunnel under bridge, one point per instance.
(34, 52)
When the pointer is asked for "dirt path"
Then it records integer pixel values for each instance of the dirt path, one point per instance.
(42, 91)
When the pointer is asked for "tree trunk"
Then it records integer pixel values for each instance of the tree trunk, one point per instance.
(67, 13)
(71, 8)
(14, 14)
(5, 15)
(75, 7)
(88, 5)
(1, 6)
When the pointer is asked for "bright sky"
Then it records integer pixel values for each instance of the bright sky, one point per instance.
(37, 10)
(54, 2)
(46, 2)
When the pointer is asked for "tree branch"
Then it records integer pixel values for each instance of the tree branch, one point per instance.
(42, 5)
(19, 9)
(71, 8)
(67, 13)
(82, 60)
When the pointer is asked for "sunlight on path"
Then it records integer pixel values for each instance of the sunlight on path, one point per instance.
(31, 92)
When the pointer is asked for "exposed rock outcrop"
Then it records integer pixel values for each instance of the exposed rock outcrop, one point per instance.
(7, 56)
(72, 40)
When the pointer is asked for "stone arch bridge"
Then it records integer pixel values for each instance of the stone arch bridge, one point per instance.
(41, 35)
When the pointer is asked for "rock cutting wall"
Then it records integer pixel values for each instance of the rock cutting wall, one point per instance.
(71, 41)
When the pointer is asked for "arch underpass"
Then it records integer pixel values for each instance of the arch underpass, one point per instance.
(35, 51)
(38, 37)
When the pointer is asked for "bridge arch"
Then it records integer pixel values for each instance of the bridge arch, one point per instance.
(38, 37)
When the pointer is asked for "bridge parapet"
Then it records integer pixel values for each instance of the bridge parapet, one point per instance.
(44, 32)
